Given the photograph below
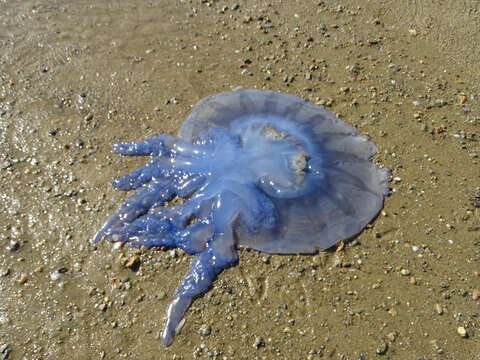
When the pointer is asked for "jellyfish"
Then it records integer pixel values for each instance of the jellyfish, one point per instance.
(253, 169)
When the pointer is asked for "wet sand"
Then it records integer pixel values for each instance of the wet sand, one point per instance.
(76, 76)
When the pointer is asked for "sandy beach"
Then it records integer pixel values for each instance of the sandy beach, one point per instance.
(78, 76)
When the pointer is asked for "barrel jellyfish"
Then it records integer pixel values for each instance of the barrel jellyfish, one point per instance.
(249, 168)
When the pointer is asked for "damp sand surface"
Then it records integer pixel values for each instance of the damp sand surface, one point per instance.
(76, 76)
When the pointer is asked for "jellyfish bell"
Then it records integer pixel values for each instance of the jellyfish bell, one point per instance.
(337, 191)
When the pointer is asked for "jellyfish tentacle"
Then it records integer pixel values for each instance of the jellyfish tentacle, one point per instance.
(155, 145)
(153, 240)
(168, 226)
(192, 239)
(159, 145)
(186, 148)
(156, 167)
(219, 254)
(204, 268)
(257, 212)
(191, 183)
(146, 225)
(143, 199)
(153, 229)
(134, 206)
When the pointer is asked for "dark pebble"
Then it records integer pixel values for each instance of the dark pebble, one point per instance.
(5, 351)
(476, 203)
(132, 263)
(53, 131)
(259, 342)
(4, 272)
(14, 245)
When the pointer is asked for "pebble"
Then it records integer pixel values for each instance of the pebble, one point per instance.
(23, 279)
(4, 272)
(55, 276)
(462, 332)
(205, 330)
(132, 262)
(392, 336)
(382, 348)
(79, 142)
(173, 100)
(14, 245)
(5, 165)
(259, 342)
(5, 350)
(405, 272)
(53, 131)
(353, 69)
(118, 245)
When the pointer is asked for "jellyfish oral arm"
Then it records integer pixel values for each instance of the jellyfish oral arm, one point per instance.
(218, 255)
(206, 265)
